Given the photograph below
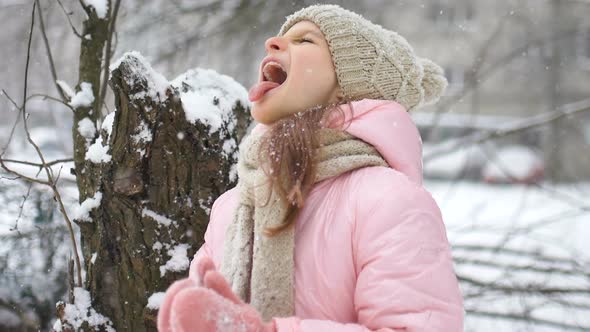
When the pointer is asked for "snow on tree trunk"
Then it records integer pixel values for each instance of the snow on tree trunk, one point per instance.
(162, 158)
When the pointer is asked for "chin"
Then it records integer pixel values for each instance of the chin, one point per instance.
(261, 115)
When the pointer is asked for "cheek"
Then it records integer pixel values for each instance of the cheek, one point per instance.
(316, 73)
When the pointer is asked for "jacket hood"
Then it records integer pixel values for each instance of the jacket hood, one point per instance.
(389, 128)
(386, 125)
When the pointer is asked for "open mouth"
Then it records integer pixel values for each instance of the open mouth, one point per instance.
(273, 76)
(274, 72)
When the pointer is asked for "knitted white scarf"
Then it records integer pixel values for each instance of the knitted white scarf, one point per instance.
(259, 267)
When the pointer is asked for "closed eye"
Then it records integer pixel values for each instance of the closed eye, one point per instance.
(305, 40)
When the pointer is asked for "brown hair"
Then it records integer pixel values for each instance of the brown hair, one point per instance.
(288, 151)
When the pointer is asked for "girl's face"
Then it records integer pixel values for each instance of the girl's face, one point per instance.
(296, 75)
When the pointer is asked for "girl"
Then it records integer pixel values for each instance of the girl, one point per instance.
(329, 227)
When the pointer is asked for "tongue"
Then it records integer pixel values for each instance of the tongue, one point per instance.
(259, 89)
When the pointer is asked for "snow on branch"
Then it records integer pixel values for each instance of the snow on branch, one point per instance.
(65, 87)
(74, 315)
(84, 97)
(100, 6)
(82, 211)
(98, 153)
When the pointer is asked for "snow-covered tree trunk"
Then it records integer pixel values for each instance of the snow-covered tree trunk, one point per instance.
(95, 34)
(161, 159)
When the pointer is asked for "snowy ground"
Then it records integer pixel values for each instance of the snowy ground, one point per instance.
(549, 221)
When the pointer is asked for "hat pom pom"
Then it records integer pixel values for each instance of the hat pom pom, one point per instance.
(434, 82)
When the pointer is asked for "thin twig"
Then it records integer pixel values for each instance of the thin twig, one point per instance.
(59, 173)
(518, 253)
(13, 125)
(533, 122)
(473, 73)
(527, 319)
(44, 96)
(21, 207)
(51, 163)
(71, 231)
(69, 20)
(33, 232)
(9, 179)
(516, 267)
(24, 104)
(116, 42)
(50, 181)
(10, 99)
(108, 51)
(484, 75)
(48, 50)
(22, 109)
(22, 176)
(529, 288)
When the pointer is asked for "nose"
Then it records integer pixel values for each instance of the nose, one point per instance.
(275, 44)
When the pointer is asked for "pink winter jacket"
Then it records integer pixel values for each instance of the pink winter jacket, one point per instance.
(371, 251)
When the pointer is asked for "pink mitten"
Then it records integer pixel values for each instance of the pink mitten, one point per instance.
(205, 302)
(215, 281)
(204, 310)
(199, 267)
(197, 271)
(166, 306)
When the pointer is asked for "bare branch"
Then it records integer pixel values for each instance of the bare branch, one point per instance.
(33, 232)
(51, 163)
(71, 280)
(50, 180)
(521, 267)
(557, 218)
(11, 135)
(20, 208)
(108, 54)
(11, 179)
(23, 108)
(526, 318)
(473, 73)
(478, 79)
(515, 252)
(69, 20)
(48, 49)
(532, 122)
(527, 288)
(44, 96)
(22, 176)
(71, 231)
(10, 99)
(24, 104)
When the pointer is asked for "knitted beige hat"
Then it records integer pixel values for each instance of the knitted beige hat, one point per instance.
(372, 62)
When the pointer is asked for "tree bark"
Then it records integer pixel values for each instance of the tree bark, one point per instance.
(156, 194)
(95, 35)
